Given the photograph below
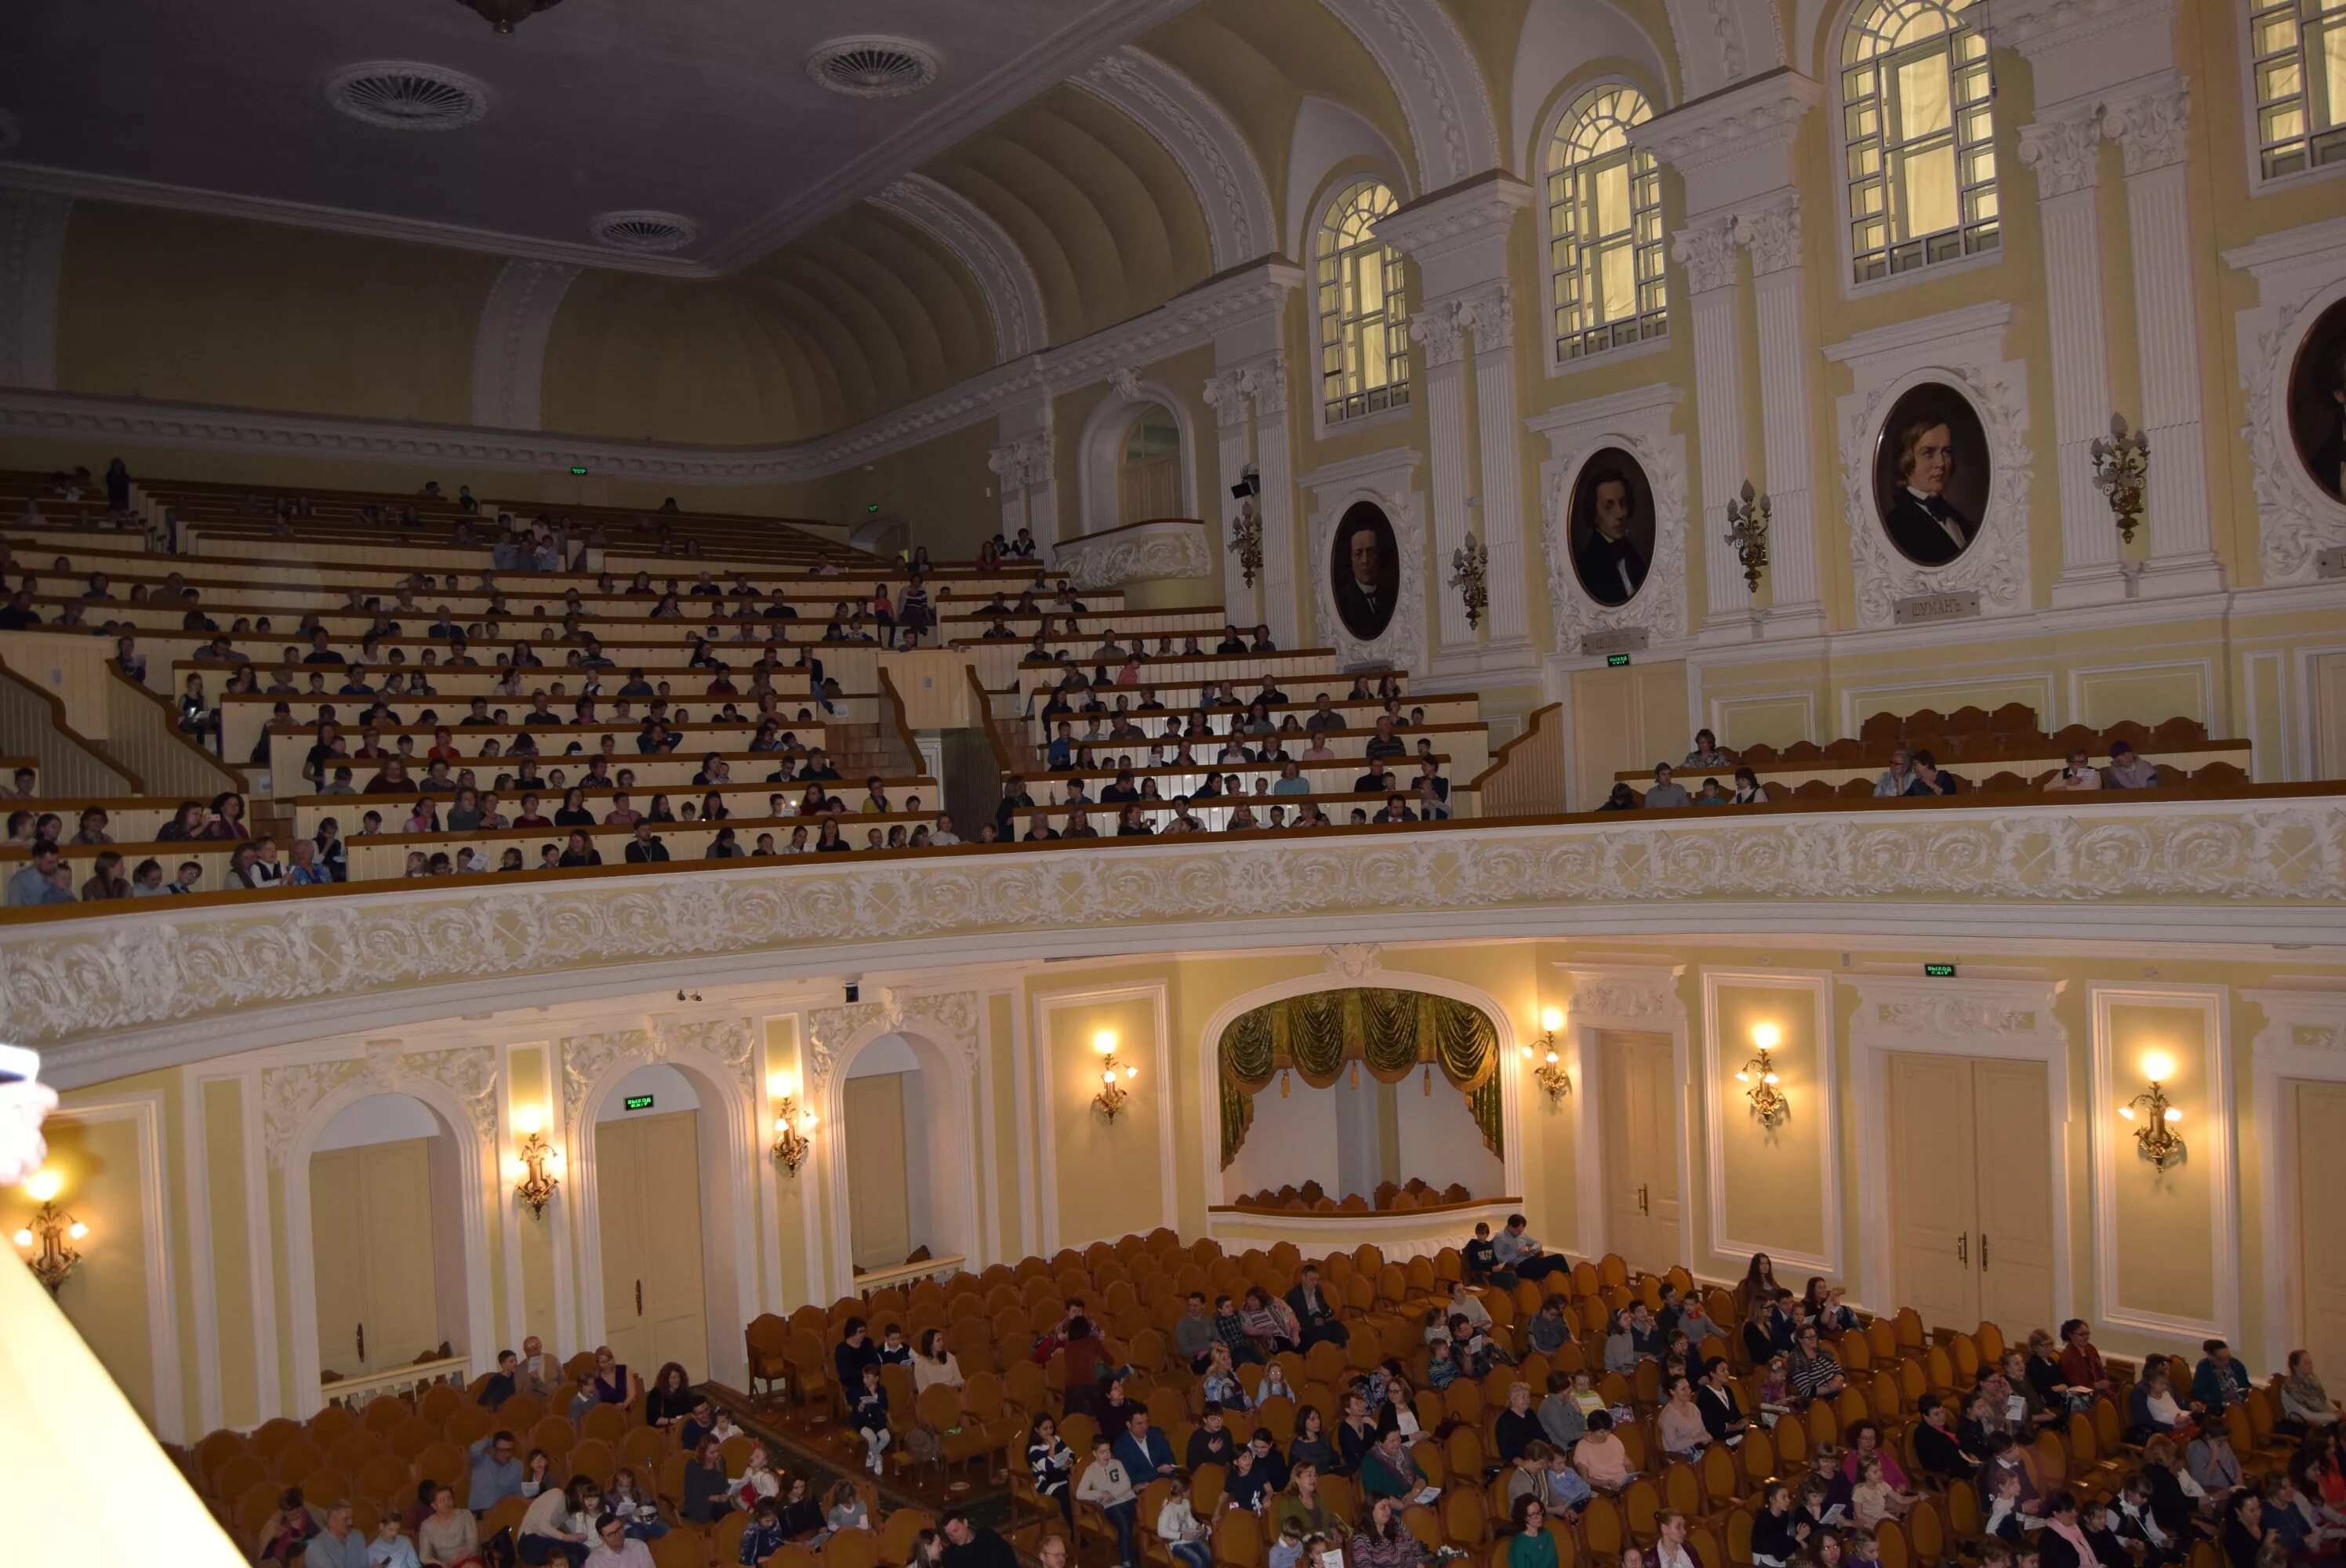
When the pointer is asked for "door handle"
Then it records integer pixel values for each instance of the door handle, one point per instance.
(1642, 1197)
(1983, 1252)
(361, 1339)
(639, 1297)
(1963, 1246)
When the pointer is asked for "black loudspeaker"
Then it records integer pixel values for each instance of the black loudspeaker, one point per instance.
(1250, 485)
(855, 994)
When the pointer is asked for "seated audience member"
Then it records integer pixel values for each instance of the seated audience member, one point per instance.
(1521, 1253)
(1517, 1426)
(1547, 1331)
(496, 1472)
(1143, 1450)
(557, 1523)
(2302, 1397)
(2219, 1381)
(1936, 1446)
(1622, 798)
(638, 1509)
(1212, 1442)
(1314, 1313)
(2153, 1408)
(670, 1397)
(288, 1531)
(1706, 753)
(2082, 1372)
(2128, 771)
(1930, 778)
(612, 1384)
(1898, 777)
(502, 1384)
(1814, 1372)
(1680, 1426)
(1107, 1486)
(1600, 1456)
(1178, 1527)
(1390, 1470)
(1722, 1403)
(616, 1548)
(1665, 793)
(449, 1536)
(1778, 1532)
(2077, 775)
(1382, 1540)
(340, 1544)
(707, 1491)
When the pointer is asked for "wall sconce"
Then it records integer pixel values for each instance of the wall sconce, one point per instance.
(1747, 532)
(1767, 1102)
(1550, 1073)
(536, 1165)
(53, 1228)
(792, 1126)
(2156, 1137)
(1112, 1094)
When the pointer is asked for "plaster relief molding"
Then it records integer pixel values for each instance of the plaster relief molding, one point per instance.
(1895, 1009)
(1637, 422)
(1202, 140)
(1139, 553)
(585, 1058)
(32, 254)
(2084, 49)
(1386, 479)
(1436, 329)
(1458, 237)
(1707, 251)
(1434, 74)
(238, 971)
(1355, 961)
(950, 1017)
(509, 345)
(1491, 317)
(1772, 234)
(1964, 348)
(1225, 393)
(2299, 273)
(1013, 297)
(1625, 997)
(289, 1094)
(1734, 144)
(2062, 150)
(2151, 126)
(1240, 309)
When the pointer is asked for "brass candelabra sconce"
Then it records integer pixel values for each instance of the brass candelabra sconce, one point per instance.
(1246, 540)
(2122, 472)
(792, 1135)
(1550, 1073)
(1113, 1095)
(535, 1165)
(1470, 565)
(1747, 530)
(1759, 1077)
(2155, 1135)
(53, 1230)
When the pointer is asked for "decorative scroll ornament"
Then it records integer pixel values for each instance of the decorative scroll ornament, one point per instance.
(2121, 471)
(1707, 254)
(1468, 566)
(1747, 530)
(1438, 331)
(288, 1095)
(2063, 152)
(953, 1015)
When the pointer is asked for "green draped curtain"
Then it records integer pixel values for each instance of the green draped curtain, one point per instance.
(1391, 1034)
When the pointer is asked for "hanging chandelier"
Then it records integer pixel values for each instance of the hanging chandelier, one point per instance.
(505, 16)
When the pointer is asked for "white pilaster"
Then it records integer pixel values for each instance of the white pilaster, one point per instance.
(1229, 402)
(509, 343)
(1771, 233)
(1707, 254)
(1437, 331)
(1492, 319)
(2062, 147)
(2150, 126)
(1282, 539)
(32, 256)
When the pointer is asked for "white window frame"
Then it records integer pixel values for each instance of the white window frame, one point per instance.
(1851, 285)
(2251, 126)
(1558, 361)
(1392, 399)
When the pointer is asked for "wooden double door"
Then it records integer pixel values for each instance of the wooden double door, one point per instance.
(371, 1238)
(647, 1199)
(1639, 1107)
(1971, 1150)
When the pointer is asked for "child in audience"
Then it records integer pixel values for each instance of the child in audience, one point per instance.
(872, 1419)
(1873, 1498)
(1178, 1526)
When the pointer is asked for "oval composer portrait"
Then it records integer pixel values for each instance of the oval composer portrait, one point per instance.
(1931, 473)
(1364, 571)
(2317, 401)
(1612, 517)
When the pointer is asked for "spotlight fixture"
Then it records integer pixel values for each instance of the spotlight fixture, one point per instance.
(1550, 1073)
(535, 1165)
(2156, 1138)
(53, 1231)
(1112, 1094)
(791, 1130)
(1767, 1102)
(504, 16)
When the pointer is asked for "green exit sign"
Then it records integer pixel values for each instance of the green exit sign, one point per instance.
(1939, 971)
(578, 469)
(1617, 661)
(639, 1102)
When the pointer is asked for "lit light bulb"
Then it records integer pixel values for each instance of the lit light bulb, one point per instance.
(1552, 1058)
(2159, 1066)
(1765, 1035)
(1104, 1041)
(1108, 1076)
(1527, 1053)
(781, 1124)
(79, 1230)
(1551, 1020)
(528, 1122)
(46, 1185)
(2173, 1115)
(24, 1239)
(1767, 1078)
(1132, 1072)
(1743, 1078)
(2127, 1111)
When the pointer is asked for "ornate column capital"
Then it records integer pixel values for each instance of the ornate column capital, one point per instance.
(1438, 331)
(1772, 234)
(1226, 394)
(2150, 126)
(1707, 251)
(1265, 380)
(2063, 152)
(1491, 317)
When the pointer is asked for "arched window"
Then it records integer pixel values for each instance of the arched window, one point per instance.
(1604, 226)
(2300, 49)
(1919, 119)
(1364, 323)
(1148, 477)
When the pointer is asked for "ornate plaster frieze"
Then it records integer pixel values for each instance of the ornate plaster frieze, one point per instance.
(1707, 251)
(2064, 151)
(1772, 232)
(1437, 329)
(509, 345)
(1736, 144)
(289, 1094)
(86, 982)
(1144, 552)
(585, 1058)
(1013, 297)
(2153, 127)
(1203, 142)
(1435, 75)
(952, 1017)
(1458, 237)
(1903, 1010)
(1627, 994)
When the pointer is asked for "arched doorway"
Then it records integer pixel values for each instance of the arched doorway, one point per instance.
(903, 1166)
(1148, 471)
(386, 1234)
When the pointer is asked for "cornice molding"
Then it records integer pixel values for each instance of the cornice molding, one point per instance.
(235, 974)
(1011, 294)
(1734, 144)
(1201, 137)
(1458, 237)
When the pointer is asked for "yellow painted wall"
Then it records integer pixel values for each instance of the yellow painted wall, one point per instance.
(1008, 1217)
(231, 1249)
(534, 1089)
(2163, 1233)
(785, 1231)
(104, 1298)
(1773, 1178)
(1108, 1180)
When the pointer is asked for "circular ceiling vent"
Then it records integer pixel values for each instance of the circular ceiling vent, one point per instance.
(650, 232)
(402, 95)
(872, 67)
